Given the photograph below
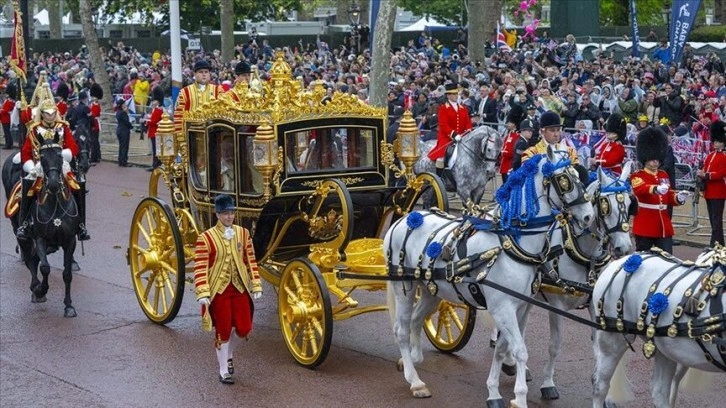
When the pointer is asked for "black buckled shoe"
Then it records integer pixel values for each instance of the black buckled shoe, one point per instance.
(230, 366)
(226, 378)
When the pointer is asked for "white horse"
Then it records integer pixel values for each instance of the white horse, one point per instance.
(585, 253)
(678, 307)
(505, 250)
(475, 165)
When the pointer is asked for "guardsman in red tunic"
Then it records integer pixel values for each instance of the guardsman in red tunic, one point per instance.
(226, 281)
(454, 122)
(157, 110)
(196, 94)
(5, 111)
(713, 174)
(507, 154)
(47, 125)
(610, 154)
(62, 92)
(651, 225)
(96, 93)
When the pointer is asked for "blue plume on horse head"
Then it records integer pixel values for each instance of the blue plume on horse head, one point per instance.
(520, 184)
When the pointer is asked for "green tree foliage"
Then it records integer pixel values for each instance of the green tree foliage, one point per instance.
(617, 12)
(445, 11)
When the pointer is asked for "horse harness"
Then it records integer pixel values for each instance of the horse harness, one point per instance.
(710, 284)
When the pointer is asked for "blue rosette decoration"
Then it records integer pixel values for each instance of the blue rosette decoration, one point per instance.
(434, 250)
(414, 220)
(591, 177)
(548, 169)
(632, 263)
(657, 303)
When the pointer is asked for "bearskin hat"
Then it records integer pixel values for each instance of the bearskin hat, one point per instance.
(718, 133)
(96, 91)
(11, 90)
(157, 94)
(616, 124)
(516, 115)
(63, 91)
(652, 144)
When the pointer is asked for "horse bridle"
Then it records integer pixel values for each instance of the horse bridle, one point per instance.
(565, 183)
(604, 208)
(481, 155)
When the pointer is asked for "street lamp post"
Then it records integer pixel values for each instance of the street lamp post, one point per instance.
(354, 15)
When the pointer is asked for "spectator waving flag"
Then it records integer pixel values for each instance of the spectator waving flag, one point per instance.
(501, 40)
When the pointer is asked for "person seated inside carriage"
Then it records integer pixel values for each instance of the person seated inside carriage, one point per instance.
(47, 124)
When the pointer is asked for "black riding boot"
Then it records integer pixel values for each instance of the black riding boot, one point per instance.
(23, 215)
(80, 197)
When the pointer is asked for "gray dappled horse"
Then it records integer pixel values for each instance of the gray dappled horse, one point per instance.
(475, 165)
(414, 248)
(54, 220)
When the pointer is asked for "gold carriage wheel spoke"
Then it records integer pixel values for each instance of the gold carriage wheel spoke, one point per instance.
(164, 304)
(168, 285)
(455, 318)
(168, 268)
(292, 295)
(156, 298)
(317, 326)
(295, 332)
(142, 230)
(314, 341)
(296, 282)
(149, 285)
(149, 219)
(439, 327)
(449, 334)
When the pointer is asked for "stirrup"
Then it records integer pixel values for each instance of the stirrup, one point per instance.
(83, 233)
(22, 232)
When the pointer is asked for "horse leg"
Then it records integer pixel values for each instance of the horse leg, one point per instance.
(548, 389)
(403, 304)
(510, 341)
(608, 349)
(681, 371)
(41, 288)
(425, 305)
(664, 372)
(68, 251)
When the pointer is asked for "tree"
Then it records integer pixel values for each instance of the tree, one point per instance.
(445, 11)
(227, 29)
(381, 53)
(94, 51)
(54, 17)
(617, 12)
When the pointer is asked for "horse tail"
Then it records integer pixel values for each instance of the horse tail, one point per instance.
(620, 389)
(696, 381)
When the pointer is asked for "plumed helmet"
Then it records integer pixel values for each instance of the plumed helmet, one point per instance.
(550, 119)
(12, 91)
(718, 133)
(516, 115)
(157, 94)
(96, 91)
(62, 91)
(651, 144)
(223, 203)
(616, 124)
(242, 68)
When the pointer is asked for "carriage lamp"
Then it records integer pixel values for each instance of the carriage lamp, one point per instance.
(165, 146)
(407, 137)
(265, 154)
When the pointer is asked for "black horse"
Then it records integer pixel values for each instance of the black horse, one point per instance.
(54, 218)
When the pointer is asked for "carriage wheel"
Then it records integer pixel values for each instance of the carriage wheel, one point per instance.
(449, 328)
(156, 258)
(433, 183)
(305, 314)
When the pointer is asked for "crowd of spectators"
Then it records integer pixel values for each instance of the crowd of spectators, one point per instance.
(544, 74)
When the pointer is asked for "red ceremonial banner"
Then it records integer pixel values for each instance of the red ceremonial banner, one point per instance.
(17, 46)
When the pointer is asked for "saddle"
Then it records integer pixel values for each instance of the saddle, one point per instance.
(12, 206)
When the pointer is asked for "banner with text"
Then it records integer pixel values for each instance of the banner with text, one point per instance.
(683, 15)
(634, 23)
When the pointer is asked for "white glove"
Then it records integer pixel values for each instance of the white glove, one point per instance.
(203, 301)
(457, 138)
(18, 105)
(256, 295)
(682, 196)
(67, 154)
(661, 189)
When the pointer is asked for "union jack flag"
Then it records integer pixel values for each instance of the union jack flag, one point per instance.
(502, 41)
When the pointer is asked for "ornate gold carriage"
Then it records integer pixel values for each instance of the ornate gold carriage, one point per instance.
(317, 184)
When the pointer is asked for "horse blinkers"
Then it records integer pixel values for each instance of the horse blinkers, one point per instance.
(633, 207)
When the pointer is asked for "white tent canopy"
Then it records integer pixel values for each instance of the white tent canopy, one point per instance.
(421, 24)
(42, 18)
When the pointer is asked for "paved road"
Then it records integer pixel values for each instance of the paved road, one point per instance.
(111, 356)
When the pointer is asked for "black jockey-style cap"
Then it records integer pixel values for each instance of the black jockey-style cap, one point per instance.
(223, 203)
(202, 64)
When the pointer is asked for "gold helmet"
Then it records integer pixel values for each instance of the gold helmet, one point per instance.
(42, 90)
(45, 105)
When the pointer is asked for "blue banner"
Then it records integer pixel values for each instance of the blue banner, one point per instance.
(683, 16)
(636, 34)
(375, 6)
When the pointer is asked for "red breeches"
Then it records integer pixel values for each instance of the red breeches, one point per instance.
(231, 309)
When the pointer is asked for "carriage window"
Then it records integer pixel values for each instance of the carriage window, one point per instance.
(330, 148)
(226, 173)
(198, 159)
(231, 166)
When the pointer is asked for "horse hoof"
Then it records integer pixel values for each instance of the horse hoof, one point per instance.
(75, 267)
(421, 392)
(70, 312)
(609, 405)
(527, 376)
(509, 370)
(550, 393)
(496, 403)
(37, 299)
(399, 365)
(493, 343)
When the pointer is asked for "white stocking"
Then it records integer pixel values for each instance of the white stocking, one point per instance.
(222, 356)
(233, 341)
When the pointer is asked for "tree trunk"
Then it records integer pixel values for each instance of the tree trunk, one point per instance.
(478, 33)
(227, 17)
(719, 12)
(94, 51)
(380, 71)
(54, 18)
(492, 13)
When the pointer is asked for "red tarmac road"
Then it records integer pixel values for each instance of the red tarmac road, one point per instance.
(112, 356)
